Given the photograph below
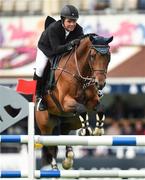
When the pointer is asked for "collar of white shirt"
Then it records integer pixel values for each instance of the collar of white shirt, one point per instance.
(66, 33)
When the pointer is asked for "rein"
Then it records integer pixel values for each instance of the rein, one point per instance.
(87, 81)
(63, 69)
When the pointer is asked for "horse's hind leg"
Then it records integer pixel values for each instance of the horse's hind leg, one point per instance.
(46, 127)
(67, 163)
(49, 156)
(43, 122)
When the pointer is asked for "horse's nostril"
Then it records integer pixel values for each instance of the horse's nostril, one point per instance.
(97, 84)
(101, 86)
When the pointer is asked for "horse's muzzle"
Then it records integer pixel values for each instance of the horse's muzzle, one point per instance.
(100, 86)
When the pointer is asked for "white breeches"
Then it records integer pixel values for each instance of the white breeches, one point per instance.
(41, 61)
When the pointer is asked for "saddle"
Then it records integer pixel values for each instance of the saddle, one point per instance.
(49, 81)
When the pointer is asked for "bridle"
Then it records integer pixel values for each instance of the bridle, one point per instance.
(89, 81)
(86, 81)
(101, 71)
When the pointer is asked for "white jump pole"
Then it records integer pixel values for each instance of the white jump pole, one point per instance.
(31, 150)
(105, 140)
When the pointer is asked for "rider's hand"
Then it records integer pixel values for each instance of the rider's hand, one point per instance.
(75, 42)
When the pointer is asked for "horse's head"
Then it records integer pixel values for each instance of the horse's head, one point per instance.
(90, 61)
(98, 58)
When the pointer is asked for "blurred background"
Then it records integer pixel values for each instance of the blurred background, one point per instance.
(21, 23)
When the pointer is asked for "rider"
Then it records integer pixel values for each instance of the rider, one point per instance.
(59, 37)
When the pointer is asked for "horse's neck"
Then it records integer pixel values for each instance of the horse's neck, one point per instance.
(82, 57)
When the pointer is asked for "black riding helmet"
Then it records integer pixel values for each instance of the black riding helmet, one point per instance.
(70, 12)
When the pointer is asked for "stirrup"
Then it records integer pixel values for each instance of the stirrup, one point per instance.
(40, 105)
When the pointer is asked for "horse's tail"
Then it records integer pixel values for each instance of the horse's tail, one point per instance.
(48, 21)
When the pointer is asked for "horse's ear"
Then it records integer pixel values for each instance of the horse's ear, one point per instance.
(91, 38)
(108, 40)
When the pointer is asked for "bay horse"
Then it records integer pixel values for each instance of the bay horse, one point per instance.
(79, 76)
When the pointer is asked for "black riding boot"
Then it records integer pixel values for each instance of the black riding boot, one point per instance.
(40, 103)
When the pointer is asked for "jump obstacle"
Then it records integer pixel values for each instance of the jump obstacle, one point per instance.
(31, 139)
(77, 140)
(76, 174)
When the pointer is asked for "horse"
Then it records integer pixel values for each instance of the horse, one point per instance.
(79, 77)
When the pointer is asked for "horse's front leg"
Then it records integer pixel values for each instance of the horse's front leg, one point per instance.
(71, 105)
(99, 129)
(86, 129)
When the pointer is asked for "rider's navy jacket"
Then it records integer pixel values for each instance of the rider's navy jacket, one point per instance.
(52, 41)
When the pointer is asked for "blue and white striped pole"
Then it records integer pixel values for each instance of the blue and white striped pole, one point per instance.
(92, 140)
(76, 174)
(14, 138)
(105, 140)
(13, 174)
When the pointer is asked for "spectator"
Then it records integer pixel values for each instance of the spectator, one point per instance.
(117, 109)
(127, 128)
(139, 128)
(114, 129)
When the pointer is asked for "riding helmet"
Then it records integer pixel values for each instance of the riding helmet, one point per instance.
(70, 12)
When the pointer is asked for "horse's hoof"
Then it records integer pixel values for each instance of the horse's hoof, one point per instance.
(82, 132)
(85, 132)
(70, 154)
(98, 132)
(67, 163)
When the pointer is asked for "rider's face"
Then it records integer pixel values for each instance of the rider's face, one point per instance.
(70, 24)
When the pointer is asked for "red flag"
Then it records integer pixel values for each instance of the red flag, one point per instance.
(26, 87)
